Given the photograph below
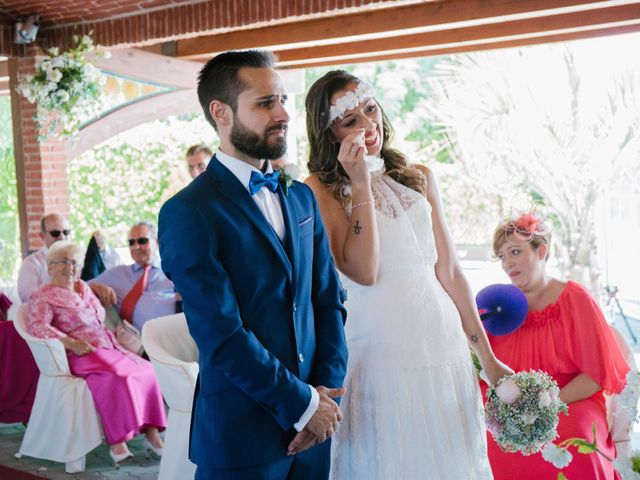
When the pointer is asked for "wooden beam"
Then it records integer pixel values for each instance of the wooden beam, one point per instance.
(370, 22)
(376, 57)
(4, 70)
(536, 27)
(151, 67)
(159, 106)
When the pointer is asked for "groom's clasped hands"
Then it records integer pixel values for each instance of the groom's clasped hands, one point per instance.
(322, 424)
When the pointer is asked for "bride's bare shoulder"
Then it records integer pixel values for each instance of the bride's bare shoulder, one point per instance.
(314, 183)
(321, 191)
(332, 210)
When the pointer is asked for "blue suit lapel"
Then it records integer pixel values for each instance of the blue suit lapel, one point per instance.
(291, 228)
(238, 196)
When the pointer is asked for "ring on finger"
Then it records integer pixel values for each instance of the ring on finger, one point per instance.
(354, 149)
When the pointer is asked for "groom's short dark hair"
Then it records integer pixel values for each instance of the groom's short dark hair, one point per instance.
(219, 80)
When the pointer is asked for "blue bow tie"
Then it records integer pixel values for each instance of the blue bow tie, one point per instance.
(258, 180)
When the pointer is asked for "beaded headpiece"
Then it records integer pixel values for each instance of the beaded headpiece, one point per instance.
(348, 101)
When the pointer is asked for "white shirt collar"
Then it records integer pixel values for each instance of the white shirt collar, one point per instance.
(241, 170)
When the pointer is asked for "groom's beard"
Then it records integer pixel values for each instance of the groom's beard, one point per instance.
(256, 146)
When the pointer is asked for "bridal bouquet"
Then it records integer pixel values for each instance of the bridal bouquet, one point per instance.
(522, 411)
(66, 87)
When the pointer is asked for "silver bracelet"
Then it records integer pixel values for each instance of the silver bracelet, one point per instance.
(361, 204)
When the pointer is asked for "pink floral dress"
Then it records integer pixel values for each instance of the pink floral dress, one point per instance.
(123, 385)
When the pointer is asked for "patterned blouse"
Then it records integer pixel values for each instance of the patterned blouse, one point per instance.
(56, 312)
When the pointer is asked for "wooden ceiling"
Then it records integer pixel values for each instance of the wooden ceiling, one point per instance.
(373, 31)
(419, 29)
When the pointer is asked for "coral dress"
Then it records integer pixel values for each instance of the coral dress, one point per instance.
(565, 339)
(123, 385)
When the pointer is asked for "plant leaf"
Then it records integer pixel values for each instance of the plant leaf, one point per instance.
(586, 449)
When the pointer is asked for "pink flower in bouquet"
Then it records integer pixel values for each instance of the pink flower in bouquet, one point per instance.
(493, 426)
(508, 391)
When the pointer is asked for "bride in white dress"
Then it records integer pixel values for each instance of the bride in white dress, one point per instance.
(412, 408)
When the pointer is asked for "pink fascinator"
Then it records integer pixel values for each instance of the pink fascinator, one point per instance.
(527, 226)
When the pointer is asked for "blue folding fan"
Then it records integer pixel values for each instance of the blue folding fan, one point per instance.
(502, 308)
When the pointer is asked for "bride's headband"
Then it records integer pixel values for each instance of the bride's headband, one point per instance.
(349, 100)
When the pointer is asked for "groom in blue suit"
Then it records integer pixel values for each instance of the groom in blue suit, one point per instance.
(247, 251)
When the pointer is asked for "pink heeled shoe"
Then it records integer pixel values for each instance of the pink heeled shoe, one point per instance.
(148, 448)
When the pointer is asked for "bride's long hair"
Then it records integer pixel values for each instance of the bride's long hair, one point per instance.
(323, 146)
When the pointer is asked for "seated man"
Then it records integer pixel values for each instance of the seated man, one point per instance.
(142, 290)
(33, 271)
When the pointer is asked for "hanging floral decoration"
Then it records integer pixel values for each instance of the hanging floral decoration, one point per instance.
(66, 87)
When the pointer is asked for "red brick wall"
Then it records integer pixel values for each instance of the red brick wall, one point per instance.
(42, 172)
(139, 22)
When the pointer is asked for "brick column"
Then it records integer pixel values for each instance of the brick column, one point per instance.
(41, 168)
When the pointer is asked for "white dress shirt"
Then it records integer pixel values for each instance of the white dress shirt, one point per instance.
(33, 274)
(269, 204)
(267, 201)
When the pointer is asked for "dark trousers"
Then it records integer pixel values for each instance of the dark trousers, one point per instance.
(312, 464)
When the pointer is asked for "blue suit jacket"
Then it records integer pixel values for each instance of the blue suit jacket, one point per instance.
(267, 316)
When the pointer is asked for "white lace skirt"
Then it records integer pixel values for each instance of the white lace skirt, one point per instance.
(413, 408)
(422, 423)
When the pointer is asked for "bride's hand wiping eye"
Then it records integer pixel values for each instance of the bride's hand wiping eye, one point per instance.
(351, 157)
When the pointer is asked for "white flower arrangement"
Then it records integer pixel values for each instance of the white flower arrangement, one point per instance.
(522, 411)
(66, 87)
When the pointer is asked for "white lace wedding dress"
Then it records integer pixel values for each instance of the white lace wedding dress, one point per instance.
(412, 408)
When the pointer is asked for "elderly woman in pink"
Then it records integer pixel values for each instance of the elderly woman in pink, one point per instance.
(123, 385)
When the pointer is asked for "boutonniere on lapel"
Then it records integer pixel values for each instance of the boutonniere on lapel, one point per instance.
(288, 173)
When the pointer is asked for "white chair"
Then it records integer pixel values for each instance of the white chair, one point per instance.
(64, 425)
(174, 356)
(622, 409)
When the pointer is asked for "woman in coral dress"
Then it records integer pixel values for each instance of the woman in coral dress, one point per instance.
(123, 385)
(564, 334)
